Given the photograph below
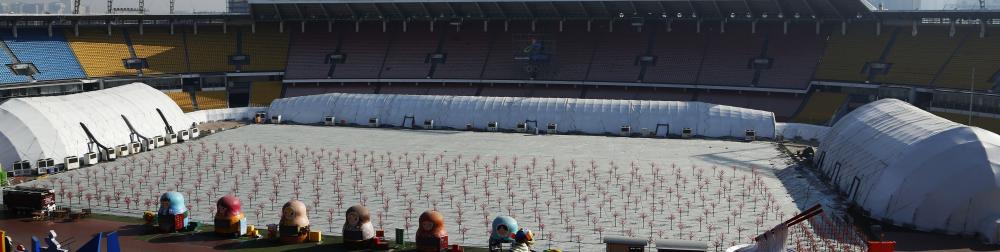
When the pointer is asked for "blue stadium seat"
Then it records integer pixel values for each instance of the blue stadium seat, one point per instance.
(51, 55)
(6, 76)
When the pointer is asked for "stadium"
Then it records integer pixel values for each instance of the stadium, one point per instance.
(681, 125)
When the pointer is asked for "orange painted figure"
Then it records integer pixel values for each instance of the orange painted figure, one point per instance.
(229, 218)
(431, 236)
(294, 224)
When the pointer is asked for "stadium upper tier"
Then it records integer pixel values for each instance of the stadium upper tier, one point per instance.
(734, 54)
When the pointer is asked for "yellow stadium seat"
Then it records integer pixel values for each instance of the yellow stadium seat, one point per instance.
(263, 92)
(211, 100)
(846, 55)
(820, 108)
(100, 55)
(163, 52)
(209, 50)
(183, 99)
(268, 49)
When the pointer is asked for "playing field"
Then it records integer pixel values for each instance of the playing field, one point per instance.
(569, 190)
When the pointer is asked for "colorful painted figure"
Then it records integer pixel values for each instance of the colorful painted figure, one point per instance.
(229, 218)
(502, 231)
(358, 228)
(294, 224)
(431, 236)
(523, 241)
(172, 216)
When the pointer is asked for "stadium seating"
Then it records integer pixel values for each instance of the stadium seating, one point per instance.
(983, 54)
(820, 107)
(268, 49)
(99, 54)
(679, 54)
(572, 52)
(795, 56)
(307, 53)
(263, 92)
(51, 55)
(209, 50)
(404, 88)
(183, 99)
(917, 59)
(466, 54)
(407, 54)
(211, 100)
(728, 55)
(501, 64)
(304, 90)
(991, 124)
(846, 55)
(365, 51)
(6, 76)
(165, 53)
(614, 60)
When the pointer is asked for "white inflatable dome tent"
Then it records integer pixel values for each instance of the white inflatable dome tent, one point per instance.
(579, 115)
(49, 127)
(914, 169)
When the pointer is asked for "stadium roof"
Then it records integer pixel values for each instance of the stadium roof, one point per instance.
(554, 9)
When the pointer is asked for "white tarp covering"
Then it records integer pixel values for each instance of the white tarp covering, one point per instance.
(801, 130)
(906, 165)
(211, 115)
(581, 115)
(49, 127)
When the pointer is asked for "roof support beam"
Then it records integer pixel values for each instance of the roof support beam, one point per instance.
(585, 11)
(747, 4)
(354, 15)
(810, 8)
(482, 13)
(379, 11)
(298, 11)
(454, 11)
(326, 13)
(719, 9)
(780, 9)
(691, 5)
(835, 10)
(277, 12)
(635, 10)
(528, 9)
(556, 9)
(400, 11)
(502, 13)
(427, 11)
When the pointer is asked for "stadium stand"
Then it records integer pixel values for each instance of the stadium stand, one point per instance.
(268, 48)
(679, 55)
(407, 54)
(728, 55)
(452, 89)
(795, 56)
(165, 53)
(211, 100)
(572, 53)
(983, 54)
(100, 55)
(916, 59)
(991, 124)
(404, 88)
(6, 76)
(303, 90)
(556, 91)
(51, 55)
(614, 60)
(263, 92)
(846, 55)
(467, 51)
(505, 90)
(820, 107)
(209, 50)
(183, 99)
(365, 51)
(501, 65)
(307, 52)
